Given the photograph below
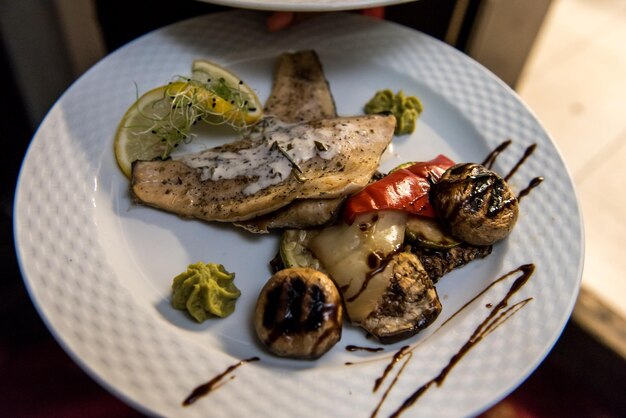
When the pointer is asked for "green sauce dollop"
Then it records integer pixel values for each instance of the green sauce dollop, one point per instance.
(205, 291)
(406, 109)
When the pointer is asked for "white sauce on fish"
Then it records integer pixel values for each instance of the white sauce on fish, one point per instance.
(264, 159)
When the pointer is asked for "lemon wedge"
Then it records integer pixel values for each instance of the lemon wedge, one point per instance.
(163, 117)
(148, 130)
(241, 106)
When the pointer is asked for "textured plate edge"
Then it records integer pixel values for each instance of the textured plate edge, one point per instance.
(306, 6)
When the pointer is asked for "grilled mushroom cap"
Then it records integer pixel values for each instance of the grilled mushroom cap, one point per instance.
(299, 313)
(476, 204)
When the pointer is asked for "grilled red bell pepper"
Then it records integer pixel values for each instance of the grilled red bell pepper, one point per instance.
(404, 189)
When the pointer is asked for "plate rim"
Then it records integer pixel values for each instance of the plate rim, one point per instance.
(306, 6)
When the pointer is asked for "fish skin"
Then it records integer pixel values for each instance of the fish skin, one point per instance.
(173, 186)
(300, 91)
(299, 214)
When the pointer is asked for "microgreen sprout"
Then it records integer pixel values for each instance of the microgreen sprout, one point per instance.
(186, 101)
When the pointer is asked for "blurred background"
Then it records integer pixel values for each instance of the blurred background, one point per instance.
(565, 58)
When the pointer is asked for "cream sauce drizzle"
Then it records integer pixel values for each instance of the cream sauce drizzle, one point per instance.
(263, 161)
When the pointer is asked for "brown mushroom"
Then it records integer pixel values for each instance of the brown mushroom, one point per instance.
(475, 204)
(299, 313)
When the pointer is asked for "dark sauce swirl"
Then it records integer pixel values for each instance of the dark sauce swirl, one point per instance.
(529, 151)
(491, 157)
(533, 183)
(394, 360)
(353, 348)
(377, 263)
(209, 386)
(500, 313)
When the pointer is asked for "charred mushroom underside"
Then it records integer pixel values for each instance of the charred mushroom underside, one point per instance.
(438, 263)
(409, 303)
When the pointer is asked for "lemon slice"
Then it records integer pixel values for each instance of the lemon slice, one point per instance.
(163, 117)
(149, 129)
(241, 105)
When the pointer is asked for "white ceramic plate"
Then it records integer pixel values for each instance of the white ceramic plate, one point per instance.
(99, 268)
(306, 5)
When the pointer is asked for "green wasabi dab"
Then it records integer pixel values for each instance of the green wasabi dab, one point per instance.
(205, 291)
(406, 109)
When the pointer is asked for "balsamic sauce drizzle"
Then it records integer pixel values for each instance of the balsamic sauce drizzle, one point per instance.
(485, 290)
(358, 348)
(392, 384)
(527, 153)
(497, 316)
(209, 386)
(381, 265)
(394, 360)
(491, 158)
(533, 183)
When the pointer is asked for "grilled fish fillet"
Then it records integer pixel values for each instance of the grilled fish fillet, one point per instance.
(268, 170)
(300, 93)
